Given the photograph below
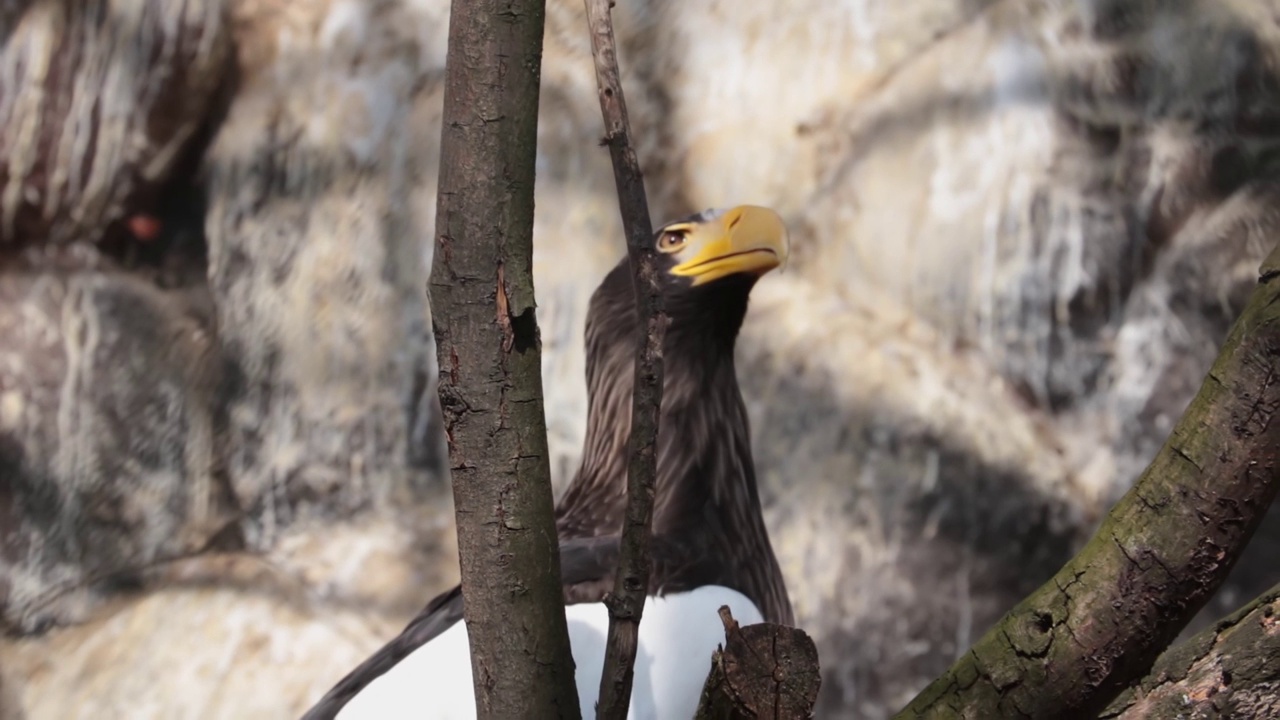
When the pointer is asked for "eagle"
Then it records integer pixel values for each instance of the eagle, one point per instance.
(710, 546)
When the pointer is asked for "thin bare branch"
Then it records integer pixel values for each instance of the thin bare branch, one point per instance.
(631, 583)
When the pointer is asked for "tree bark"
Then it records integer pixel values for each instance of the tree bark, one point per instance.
(1227, 671)
(631, 582)
(1072, 645)
(489, 353)
(763, 670)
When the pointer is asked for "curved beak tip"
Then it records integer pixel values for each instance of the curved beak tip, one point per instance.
(748, 239)
(754, 227)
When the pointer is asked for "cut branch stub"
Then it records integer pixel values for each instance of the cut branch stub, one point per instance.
(763, 671)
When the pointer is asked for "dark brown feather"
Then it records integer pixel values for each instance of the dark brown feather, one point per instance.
(706, 501)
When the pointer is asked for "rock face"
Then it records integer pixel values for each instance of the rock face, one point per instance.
(1020, 231)
(109, 366)
(99, 100)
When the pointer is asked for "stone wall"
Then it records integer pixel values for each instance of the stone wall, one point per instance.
(1020, 231)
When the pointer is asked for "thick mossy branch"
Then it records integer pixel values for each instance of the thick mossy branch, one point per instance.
(1231, 670)
(1071, 646)
(763, 671)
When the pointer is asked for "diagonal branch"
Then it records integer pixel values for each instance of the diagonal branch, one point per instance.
(1075, 643)
(631, 583)
(1227, 671)
(490, 362)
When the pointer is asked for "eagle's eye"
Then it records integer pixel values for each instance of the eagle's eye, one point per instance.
(671, 241)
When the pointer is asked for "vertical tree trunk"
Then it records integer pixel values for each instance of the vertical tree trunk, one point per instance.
(489, 355)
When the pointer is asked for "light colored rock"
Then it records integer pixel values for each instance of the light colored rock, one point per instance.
(93, 361)
(234, 636)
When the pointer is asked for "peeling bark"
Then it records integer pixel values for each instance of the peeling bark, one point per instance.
(489, 354)
(1069, 647)
(1227, 671)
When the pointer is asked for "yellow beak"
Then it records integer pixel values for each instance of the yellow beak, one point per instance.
(746, 239)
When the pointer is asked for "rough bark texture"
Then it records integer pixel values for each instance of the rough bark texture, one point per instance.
(490, 360)
(1020, 232)
(762, 671)
(631, 582)
(1231, 670)
(1160, 553)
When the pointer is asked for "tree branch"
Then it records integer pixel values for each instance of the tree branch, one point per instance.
(631, 583)
(1073, 644)
(1227, 671)
(489, 354)
(764, 670)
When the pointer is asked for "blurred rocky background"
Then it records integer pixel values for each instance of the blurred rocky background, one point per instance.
(1020, 230)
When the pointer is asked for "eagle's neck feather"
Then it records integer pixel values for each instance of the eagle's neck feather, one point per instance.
(707, 501)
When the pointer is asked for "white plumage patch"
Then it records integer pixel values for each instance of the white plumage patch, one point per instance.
(678, 633)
